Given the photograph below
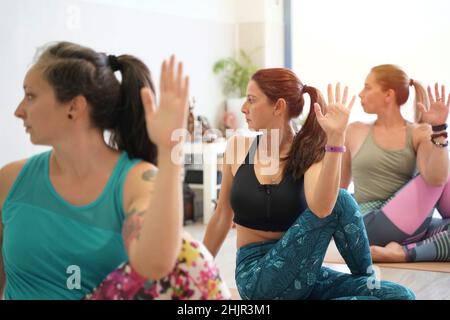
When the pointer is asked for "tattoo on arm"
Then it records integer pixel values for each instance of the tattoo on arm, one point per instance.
(133, 219)
(149, 175)
(132, 226)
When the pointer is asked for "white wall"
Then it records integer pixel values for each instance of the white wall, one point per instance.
(341, 41)
(198, 31)
(274, 30)
(261, 31)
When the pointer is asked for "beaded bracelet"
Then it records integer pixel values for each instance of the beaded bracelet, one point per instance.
(440, 134)
(438, 128)
(438, 144)
(335, 149)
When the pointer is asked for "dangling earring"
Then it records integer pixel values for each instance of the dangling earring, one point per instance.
(70, 116)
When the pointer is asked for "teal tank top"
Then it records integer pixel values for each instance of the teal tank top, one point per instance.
(48, 242)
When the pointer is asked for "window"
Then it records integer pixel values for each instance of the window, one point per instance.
(341, 40)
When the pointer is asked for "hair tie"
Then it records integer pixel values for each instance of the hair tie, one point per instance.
(114, 63)
(304, 88)
(411, 82)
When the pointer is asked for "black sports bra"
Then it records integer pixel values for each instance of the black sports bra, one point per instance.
(267, 207)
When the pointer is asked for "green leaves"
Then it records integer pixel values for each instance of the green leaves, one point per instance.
(236, 73)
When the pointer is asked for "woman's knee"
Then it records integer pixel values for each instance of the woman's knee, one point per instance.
(194, 276)
(346, 204)
(197, 263)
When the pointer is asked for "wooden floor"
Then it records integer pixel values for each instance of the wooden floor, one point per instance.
(426, 285)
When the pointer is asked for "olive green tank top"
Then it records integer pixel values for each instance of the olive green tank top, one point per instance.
(379, 173)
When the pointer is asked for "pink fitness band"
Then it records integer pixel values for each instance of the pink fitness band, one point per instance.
(335, 149)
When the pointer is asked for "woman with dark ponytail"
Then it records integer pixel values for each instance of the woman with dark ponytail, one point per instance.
(91, 214)
(282, 192)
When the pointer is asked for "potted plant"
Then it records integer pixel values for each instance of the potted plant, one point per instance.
(236, 75)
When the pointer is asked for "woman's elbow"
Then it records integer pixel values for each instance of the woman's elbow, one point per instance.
(154, 270)
(321, 213)
(153, 266)
(437, 181)
(160, 271)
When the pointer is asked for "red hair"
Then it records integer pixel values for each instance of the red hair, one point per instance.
(308, 145)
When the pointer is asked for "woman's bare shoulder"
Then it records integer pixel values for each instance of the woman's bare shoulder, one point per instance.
(8, 174)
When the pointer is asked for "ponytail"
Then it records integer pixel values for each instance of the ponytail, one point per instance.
(419, 97)
(308, 146)
(130, 132)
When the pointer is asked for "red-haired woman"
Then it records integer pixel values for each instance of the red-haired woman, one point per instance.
(286, 202)
(383, 159)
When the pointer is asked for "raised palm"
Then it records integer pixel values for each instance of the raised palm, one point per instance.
(336, 118)
(171, 115)
(438, 112)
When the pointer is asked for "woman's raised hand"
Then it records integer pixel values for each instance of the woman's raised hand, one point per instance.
(171, 115)
(336, 118)
(438, 112)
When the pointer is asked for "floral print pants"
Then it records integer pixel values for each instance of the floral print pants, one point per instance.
(194, 276)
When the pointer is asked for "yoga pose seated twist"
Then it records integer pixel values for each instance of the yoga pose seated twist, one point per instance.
(95, 219)
(400, 169)
(285, 199)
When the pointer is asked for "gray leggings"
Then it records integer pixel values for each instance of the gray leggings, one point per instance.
(430, 243)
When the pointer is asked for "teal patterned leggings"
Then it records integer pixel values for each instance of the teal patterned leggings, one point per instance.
(291, 268)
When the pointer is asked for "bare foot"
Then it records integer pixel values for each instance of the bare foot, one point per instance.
(392, 252)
